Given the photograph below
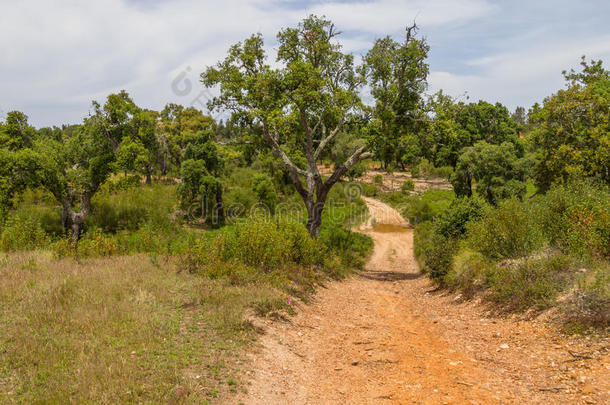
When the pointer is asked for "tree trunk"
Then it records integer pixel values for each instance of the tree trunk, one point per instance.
(314, 218)
(220, 207)
(148, 178)
(77, 228)
(76, 220)
(65, 219)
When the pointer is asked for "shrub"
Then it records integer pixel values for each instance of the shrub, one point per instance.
(356, 171)
(266, 246)
(507, 231)
(239, 200)
(468, 272)
(112, 217)
(124, 183)
(576, 218)
(428, 206)
(415, 172)
(352, 248)
(378, 179)
(20, 233)
(370, 190)
(433, 251)
(408, 185)
(263, 186)
(590, 304)
(452, 222)
(529, 282)
(443, 172)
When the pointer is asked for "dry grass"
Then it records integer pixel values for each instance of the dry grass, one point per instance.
(121, 329)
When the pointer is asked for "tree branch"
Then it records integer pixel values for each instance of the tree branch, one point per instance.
(359, 155)
(293, 170)
(324, 142)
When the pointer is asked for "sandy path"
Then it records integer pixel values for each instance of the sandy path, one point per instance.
(385, 337)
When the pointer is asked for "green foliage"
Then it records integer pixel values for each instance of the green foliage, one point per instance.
(457, 126)
(529, 283)
(370, 190)
(495, 169)
(397, 76)
(266, 246)
(415, 172)
(508, 231)
(378, 179)
(571, 133)
(240, 200)
(427, 170)
(352, 248)
(20, 233)
(434, 252)
(16, 133)
(590, 304)
(576, 218)
(469, 272)
(263, 186)
(453, 221)
(407, 185)
(428, 206)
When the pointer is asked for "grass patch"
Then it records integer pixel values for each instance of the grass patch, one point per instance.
(117, 330)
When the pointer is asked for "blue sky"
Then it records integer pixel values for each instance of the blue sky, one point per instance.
(58, 56)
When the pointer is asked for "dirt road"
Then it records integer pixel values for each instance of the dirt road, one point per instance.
(385, 336)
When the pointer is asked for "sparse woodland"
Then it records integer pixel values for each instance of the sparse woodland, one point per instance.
(133, 243)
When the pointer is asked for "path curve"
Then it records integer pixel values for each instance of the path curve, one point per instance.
(385, 337)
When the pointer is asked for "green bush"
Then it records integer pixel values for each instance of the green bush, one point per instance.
(262, 245)
(433, 251)
(452, 222)
(576, 218)
(352, 248)
(468, 272)
(529, 282)
(415, 172)
(408, 185)
(378, 179)
(427, 207)
(508, 231)
(369, 190)
(112, 217)
(263, 186)
(20, 233)
(124, 183)
(444, 172)
(239, 200)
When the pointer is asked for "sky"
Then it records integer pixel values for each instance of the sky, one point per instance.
(57, 56)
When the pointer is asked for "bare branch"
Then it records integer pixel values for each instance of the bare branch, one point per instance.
(324, 142)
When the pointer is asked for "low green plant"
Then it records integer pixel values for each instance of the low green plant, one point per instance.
(508, 231)
(434, 252)
(530, 282)
(19, 233)
(378, 179)
(407, 185)
(576, 218)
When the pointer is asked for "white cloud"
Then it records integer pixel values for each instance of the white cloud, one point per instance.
(520, 77)
(58, 56)
(388, 16)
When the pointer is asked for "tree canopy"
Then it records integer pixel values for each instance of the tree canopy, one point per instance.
(302, 105)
